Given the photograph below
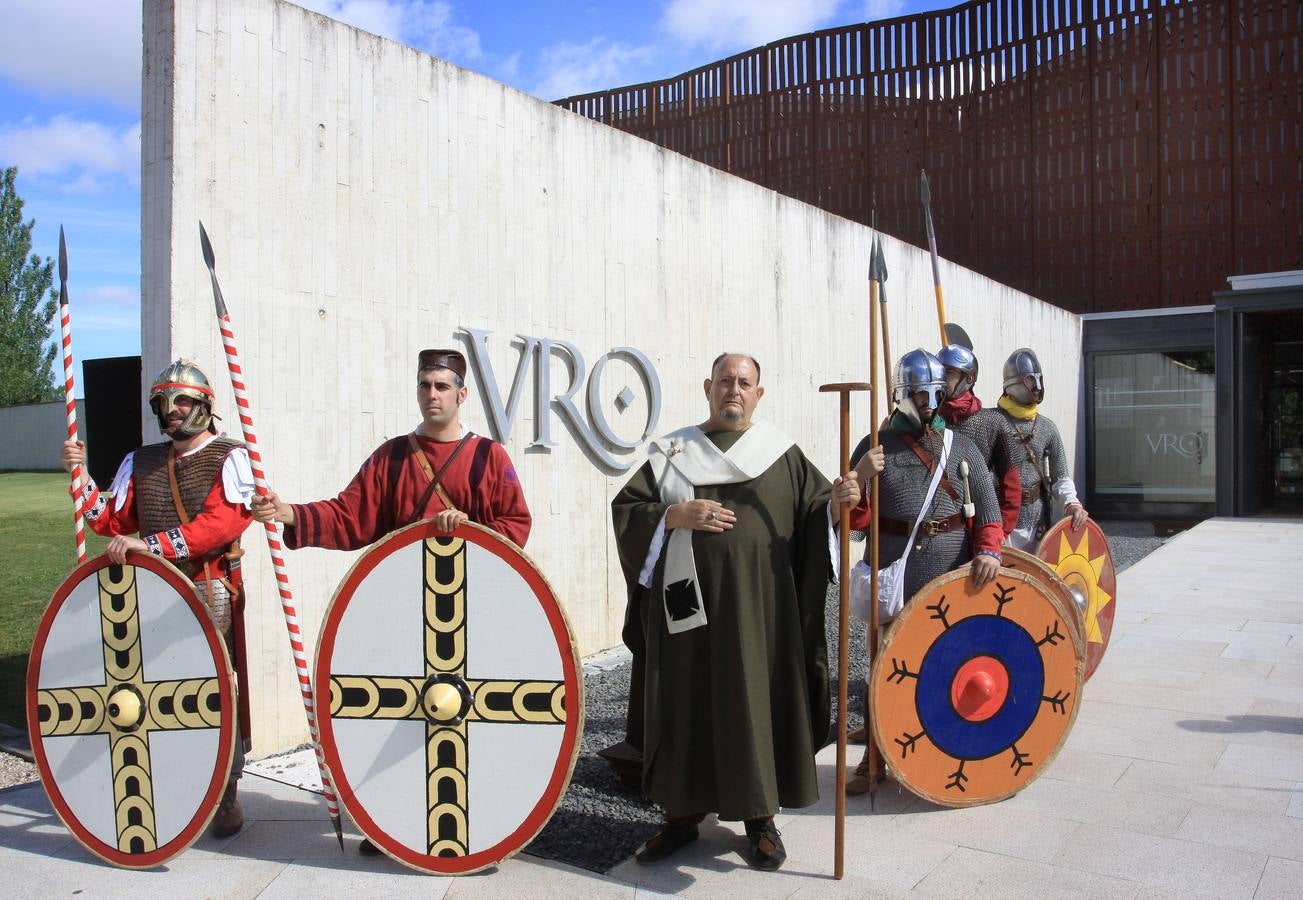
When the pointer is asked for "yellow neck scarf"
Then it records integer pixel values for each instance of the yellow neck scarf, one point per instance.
(1016, 409)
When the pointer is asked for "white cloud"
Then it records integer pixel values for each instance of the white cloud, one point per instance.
(883, 9)
(426, 26)
(720, 24)
(113, 294)
(89, 48)
(88, 154)
(568, 69)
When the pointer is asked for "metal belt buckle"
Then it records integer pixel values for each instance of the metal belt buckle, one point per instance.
(932, 527)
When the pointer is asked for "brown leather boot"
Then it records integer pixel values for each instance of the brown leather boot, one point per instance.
(229, 818)
(858, 783)
(858, 736)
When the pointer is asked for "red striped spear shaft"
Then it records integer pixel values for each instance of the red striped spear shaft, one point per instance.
(274, 545)
(69, 396)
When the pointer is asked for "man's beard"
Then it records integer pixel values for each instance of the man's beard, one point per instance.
(732, 413)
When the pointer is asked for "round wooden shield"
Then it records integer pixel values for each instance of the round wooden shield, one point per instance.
(1022, 561)
(1083, 562)
(974, 690)
(456, 697)
(131, 709)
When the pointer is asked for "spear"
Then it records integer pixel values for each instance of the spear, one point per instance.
(272, 531)
(925, 195)
(65, 324)
(877, 275)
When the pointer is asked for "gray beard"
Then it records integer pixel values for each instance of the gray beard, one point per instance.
(730, 414)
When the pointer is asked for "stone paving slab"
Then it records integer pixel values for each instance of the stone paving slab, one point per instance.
(1182, 777)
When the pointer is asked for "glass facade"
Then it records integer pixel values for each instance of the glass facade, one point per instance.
(1154, 427)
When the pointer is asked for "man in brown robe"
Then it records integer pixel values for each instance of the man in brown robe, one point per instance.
(725, 542)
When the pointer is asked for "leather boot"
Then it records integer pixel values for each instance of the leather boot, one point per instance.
(230, 817)
(858, 783)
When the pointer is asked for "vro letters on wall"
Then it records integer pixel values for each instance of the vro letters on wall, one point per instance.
(599, 441)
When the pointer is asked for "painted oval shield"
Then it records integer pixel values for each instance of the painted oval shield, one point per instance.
(456, 698)
(974, 690)
(1084, 563)
(131, 709)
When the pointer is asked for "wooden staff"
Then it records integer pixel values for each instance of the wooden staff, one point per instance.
(273, 534)
(844, 628)
(69, 396)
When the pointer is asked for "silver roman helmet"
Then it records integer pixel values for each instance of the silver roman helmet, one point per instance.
(918, 371)
(182, 379)
(962, 360)
(1023, 379)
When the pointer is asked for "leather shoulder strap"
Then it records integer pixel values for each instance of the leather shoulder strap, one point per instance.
(931, 464)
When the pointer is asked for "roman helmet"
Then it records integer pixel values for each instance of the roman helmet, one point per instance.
(182, 379)
(918, 371)
(1023, 379)
(961, 359)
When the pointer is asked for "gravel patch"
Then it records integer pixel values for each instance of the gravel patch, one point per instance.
(599, 823)
(15, 770)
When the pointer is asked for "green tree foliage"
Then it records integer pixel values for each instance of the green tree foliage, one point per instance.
(26, 316)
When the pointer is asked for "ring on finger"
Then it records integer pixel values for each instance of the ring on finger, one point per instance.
(710, 515)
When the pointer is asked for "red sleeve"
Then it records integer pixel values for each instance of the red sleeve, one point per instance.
(1010, 498)
(862, 515)
(352, 519)
(103, 515)
(504, 499)
(218, 523)
(988, 536)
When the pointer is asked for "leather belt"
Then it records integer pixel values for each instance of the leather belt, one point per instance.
(1032, 494)
(902, 527)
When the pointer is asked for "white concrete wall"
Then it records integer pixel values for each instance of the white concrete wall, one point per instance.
(366, 201)
(34, 433)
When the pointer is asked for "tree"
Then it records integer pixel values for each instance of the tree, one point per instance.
(26, 323)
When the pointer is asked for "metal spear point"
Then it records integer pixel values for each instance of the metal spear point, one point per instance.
(272, 533)
(925, 195)
(69, 395)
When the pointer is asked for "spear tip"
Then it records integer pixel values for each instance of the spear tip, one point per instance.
(924, 192)
(209, 259)
(339, 831)
(63, 267)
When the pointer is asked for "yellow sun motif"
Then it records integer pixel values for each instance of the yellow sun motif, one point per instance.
(1078, 570)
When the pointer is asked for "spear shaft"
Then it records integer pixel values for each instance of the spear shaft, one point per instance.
(272, 532)
(69, 395)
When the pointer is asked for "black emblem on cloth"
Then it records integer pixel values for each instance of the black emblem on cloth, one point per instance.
(681, 600)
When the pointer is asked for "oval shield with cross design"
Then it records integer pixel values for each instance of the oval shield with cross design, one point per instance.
(456, 697)
(975, 689)
(131, 709)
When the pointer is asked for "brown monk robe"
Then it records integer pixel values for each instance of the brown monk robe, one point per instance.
(730, 708)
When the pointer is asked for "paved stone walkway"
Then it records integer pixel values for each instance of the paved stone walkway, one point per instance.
(1183, 776)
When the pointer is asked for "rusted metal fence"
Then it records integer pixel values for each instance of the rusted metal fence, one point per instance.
(1100, 154)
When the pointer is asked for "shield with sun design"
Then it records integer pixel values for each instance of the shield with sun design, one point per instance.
(131, 709)
(456, 697)
(975, 689)
(1084, 563)
(1022, 561)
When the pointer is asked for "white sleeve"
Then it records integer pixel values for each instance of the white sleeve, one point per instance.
(122, 480)
(1064, 491)
(653, 553)
(834, 544)
(237, 477)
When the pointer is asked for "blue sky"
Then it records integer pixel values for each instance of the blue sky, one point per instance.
(70, 99)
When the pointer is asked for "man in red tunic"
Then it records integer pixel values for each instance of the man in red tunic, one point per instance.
(188, 498)
(439, 471)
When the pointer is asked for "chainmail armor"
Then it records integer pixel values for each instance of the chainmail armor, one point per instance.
(903, 486)
(995, 442)
(1033, 439)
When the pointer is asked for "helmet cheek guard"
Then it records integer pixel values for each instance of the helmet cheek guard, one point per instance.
(182, 379)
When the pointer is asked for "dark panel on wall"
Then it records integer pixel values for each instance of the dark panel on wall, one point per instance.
(112, 428)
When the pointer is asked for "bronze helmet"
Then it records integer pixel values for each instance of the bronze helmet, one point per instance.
(182, 379)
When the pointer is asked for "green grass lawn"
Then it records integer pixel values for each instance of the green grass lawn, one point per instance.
(37, 552)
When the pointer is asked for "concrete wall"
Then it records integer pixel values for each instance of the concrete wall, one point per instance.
(34, 433)
(366, 201)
